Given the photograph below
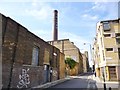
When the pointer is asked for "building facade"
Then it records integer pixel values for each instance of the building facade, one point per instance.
(71, 51)
(107, 50)
(85, 62)
(27, 60)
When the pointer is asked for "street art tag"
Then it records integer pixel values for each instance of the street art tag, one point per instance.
(54, 73)
(24, 79)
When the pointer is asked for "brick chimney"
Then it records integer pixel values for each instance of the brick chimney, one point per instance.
(55, 26)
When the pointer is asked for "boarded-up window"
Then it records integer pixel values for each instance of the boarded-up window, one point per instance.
(35, 56)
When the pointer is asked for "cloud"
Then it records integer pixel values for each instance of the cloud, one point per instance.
(90, 17)
(103, 10)
(98, 6)
(41, 11)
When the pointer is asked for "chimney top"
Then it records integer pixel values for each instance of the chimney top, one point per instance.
(55, 11)
(55, 29)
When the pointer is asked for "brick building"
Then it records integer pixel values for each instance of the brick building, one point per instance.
(27, 60)
(85, 62)
(70, 50)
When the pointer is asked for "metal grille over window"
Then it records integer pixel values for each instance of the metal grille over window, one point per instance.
(35, 56)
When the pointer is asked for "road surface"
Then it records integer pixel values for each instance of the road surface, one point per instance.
(84, 82)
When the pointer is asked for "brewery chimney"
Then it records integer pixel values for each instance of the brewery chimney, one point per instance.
(55, 26)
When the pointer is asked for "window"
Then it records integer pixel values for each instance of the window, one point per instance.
(118, 40)
(107, 35)
(106, 26)
(119, 52)
(109, 49)
(35, 56)
(117, 34)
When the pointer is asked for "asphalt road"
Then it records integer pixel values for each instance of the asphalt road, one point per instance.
(83, 82)
(79, 82)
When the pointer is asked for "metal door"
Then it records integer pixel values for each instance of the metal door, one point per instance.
(46, 73)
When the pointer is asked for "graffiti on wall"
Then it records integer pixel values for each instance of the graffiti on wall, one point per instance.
(24, 79)
(54, 73)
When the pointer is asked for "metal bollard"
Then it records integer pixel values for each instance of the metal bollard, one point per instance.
(110, 88)
(105, 86)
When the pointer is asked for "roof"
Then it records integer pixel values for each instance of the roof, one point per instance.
(110, 20)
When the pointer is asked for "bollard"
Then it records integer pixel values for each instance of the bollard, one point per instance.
(110, 88)
(104, 86)
(104, 82)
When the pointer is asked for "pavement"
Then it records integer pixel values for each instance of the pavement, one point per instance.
(109, 84)
(98, 80)
(50, 84)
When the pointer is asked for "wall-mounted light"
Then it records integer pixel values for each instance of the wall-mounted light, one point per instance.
(55, 54)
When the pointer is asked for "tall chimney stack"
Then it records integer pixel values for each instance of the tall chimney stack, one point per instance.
(55, 27)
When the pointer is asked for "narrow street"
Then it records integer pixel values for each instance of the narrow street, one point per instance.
(83, 81)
